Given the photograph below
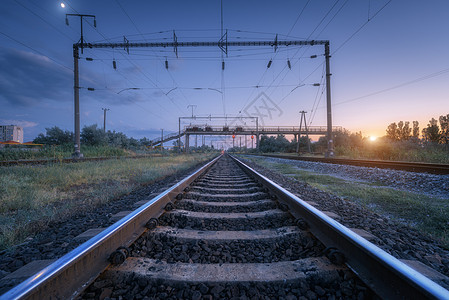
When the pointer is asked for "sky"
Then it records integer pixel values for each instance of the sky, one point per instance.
(389, 63)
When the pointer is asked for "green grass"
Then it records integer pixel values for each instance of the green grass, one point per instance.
(59, 152)
(396, 152)
(428, 214)
(33, 196)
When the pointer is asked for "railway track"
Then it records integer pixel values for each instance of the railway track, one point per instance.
(440, 169)
(226, 231)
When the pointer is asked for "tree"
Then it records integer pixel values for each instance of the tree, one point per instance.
(93, 136)
(145, 142)
(392, 132)
(118, 139)
(432, 132)
(444, 133)
(54, 136)
(273, 144)
(415, 133)
(399, 132)
(405, 131)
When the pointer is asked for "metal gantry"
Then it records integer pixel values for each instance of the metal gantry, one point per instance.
(223, 44)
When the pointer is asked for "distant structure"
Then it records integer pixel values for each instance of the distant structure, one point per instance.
(11, 133)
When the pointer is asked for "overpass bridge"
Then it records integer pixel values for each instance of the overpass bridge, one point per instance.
(255, 132)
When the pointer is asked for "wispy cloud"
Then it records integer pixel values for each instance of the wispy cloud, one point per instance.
(21, 123)
(31, 79)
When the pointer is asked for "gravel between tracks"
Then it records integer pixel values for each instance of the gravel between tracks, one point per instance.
(397, 239)
(431, 184)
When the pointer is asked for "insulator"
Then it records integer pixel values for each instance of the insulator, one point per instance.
(90, 89)
(89, 59)
(316, 84)
(222, 65)
(289, 64)
(114, 65)
(66, 21)
(95, 22)
(166, 64)
(313, 56)
(269, 64)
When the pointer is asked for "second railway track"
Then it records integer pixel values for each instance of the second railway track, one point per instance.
(228, 233)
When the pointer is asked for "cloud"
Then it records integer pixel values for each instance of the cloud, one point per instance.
(28, 79)
(21, 123)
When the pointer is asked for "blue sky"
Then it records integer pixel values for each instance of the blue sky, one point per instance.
(394, 68)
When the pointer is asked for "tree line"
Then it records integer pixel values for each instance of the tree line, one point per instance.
(90, 135)
(433, 133)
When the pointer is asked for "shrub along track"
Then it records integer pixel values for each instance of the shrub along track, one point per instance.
(228, 236)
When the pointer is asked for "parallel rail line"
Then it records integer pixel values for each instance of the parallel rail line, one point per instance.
(188, 204)
(440, 169)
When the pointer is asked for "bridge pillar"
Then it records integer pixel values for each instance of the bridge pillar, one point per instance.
(297, 143)
(187, 143)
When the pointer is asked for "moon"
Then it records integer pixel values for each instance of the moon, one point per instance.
(62, 5)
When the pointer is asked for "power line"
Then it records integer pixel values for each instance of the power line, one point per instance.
(285, 67)
(139, 69)
(396, 86)
(37, 51)
(361, 27)
(299, 16)
(45, 21)
(135, 26)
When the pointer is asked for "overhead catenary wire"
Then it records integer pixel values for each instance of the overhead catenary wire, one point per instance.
(346, 41)
(419, 79)
(135, 26)
(68, 37)
(35, 50)
(139, 69)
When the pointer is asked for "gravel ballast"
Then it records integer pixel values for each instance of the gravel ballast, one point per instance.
(397, 239)
(430, 184)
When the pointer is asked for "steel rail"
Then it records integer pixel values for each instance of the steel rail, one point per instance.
(72, 273)
(382, 164)
(386, 275)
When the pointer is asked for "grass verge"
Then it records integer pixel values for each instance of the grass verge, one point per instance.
(33, 196)
(428, 214)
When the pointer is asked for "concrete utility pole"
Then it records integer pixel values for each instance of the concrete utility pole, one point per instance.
(330, 142)
(162, 139)
(104, 118)
(77, 152)
(179, 134)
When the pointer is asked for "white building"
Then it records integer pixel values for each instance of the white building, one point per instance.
(11, 133)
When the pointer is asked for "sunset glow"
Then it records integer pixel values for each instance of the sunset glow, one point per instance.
(373, 84)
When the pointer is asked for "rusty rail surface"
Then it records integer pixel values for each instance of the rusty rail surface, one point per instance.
(440, 169)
